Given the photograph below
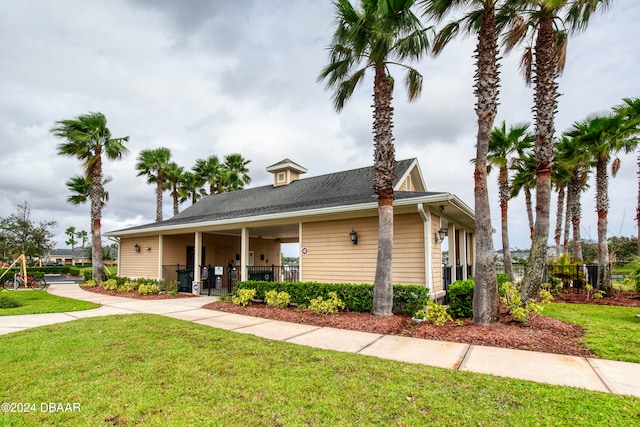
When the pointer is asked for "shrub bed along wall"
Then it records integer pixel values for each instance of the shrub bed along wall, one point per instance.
(407, 299)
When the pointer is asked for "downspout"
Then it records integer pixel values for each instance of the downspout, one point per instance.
(428, 254)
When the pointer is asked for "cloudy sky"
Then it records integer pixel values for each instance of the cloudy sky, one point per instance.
(216, 77)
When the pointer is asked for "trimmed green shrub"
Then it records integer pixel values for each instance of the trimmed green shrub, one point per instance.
(356, 297)
(243, 297)
(524, 312)
(437, 314)
(331, 305)
(461, 298)
(8, 302)
(277, 299)
(145, 289)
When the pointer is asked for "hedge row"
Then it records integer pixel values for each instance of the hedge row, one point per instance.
(407, 299)
(461, 296)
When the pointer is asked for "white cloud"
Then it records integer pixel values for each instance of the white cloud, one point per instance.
(220, 77)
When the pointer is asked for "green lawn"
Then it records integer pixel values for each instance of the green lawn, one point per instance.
(36, 302)
(611, 332)
(152, 370)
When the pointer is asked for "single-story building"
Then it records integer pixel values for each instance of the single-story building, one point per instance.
(333, 218)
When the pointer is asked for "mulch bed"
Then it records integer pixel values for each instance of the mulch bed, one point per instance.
(101, 290)
(539, 334)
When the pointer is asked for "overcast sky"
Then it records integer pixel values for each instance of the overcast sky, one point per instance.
(217, 77)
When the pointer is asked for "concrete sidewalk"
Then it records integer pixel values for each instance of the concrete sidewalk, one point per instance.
(592, 374)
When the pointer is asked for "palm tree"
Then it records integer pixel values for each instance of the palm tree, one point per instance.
(173, 176)
(524, 180)
(238, 173)
(209, 171)
(80, 187)
(71, 232)
(376, 35)
(480, 19)
(576, 159)
(189, 188)
(547, 22)
(560, 176)
(153, 164)
(82, 235)
(605, 136)
(88, 138)
(502, 145)
(630, 112)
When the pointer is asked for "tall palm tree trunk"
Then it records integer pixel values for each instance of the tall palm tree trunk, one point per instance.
(159, 191)
(176, 205)
(504, 212)
(485, 293)
(545, 106)
(97, 269)
(384, 174)
(602, 207)
(567, 220)
(576, 212)
(529, 205)
(557, 235)
(638, 205)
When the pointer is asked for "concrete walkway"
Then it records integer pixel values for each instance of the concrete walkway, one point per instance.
(592, 374)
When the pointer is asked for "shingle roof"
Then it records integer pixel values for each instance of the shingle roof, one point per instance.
(344, 188)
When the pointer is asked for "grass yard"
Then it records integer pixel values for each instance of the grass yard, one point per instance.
(37, 302)
(156, 371)
(611, 332)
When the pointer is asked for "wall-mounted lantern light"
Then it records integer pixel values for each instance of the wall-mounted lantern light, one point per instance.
(136, 247)
(442, 233)
(353, 236)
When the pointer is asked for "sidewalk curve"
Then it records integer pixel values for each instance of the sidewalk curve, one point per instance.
(592, 374)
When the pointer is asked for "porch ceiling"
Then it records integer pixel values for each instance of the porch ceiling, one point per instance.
(282, 232)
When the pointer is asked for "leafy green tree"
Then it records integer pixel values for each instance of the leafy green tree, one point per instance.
(22, 236)
(377, 34)
(88, 139)
(545, 24)
(503, 144)
(154, 164)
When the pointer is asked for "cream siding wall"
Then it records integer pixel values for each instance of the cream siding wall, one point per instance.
(143, 264)
(332, 258)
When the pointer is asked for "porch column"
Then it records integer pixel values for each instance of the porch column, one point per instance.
(160, 255)
(428, 250)
(197, 254)
(463, 255)
(244, 253)
(300, 257)
(453, 250)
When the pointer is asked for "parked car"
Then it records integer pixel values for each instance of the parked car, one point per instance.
(52, 264)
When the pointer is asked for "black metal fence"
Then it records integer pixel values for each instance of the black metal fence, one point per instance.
(223, 284)
(568, 276)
